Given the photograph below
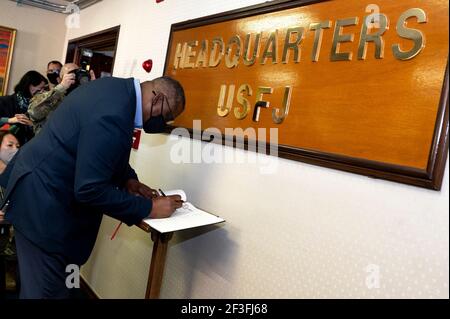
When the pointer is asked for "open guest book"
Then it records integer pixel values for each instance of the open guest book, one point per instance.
(185, 217)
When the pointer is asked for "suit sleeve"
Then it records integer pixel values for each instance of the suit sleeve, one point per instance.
(129, 174)
(100, 150)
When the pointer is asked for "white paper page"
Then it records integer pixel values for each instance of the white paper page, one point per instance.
(177, 192)
(185, 217)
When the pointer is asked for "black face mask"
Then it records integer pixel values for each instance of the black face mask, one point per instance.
(154, 125)
(53, 77)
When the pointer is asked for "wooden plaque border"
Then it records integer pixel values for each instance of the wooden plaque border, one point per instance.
(430, 178)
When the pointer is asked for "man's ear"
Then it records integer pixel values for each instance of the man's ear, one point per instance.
(146, 109)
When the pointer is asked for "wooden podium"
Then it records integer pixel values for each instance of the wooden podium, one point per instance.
(162, 231)
(158, 261)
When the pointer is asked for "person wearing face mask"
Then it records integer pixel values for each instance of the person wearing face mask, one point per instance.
(14, 108)
(79, 162)
(53, 73)
(43, 104)
(9, 145)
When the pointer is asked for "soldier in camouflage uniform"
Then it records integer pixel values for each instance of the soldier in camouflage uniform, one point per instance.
(42, 105)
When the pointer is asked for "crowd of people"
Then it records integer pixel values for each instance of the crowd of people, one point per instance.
(74, 167)
(23, 114)
(16, 128)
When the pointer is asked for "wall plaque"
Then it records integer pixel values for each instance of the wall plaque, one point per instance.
(347, 84)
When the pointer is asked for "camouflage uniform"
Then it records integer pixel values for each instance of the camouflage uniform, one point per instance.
(42, 105)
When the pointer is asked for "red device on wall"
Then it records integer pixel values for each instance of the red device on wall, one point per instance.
(136, 138)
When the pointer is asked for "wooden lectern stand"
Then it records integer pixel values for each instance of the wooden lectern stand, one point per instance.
(161, 233)
(156, 272)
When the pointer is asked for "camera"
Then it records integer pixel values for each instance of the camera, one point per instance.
(82, 75)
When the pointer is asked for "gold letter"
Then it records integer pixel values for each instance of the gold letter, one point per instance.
(190, 54)
(179, 56)
(373, 37)
(233, 62)
(293, 45)
(276, 116)
(339, 38)
(271, 42)
(415, 35)
(244, 88)
(223, 91)
(255, 53)
(318, 27)
(213, 60)
(201, 58)
(260, 103)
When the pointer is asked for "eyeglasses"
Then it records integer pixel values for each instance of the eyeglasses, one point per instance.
(56, 71)
(164, 98)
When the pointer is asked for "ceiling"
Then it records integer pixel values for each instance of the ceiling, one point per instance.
(60, 6)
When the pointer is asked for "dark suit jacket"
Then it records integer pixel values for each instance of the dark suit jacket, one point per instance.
(62, 181)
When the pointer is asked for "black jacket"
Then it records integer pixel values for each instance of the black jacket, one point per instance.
(9, 107)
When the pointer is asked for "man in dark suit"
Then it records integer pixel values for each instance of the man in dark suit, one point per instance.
(59, 185)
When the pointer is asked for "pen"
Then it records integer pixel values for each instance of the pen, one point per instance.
(162, 193)
(118, 226)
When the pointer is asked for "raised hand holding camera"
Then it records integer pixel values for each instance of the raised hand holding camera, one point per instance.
(68, 80)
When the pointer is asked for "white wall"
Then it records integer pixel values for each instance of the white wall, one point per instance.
(305, 232)
(40, 38)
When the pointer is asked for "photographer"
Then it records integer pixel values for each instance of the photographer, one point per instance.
(42, 105)
(53, 73)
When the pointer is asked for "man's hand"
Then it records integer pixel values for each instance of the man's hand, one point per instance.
(2, 215)
(137, 188)
(68, 80)
(20, 118)
(92, 75)
(165, 206)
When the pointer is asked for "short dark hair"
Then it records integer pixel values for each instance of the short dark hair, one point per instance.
(3, 133)
(180, 98)
(54, 62)
(30, 78)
